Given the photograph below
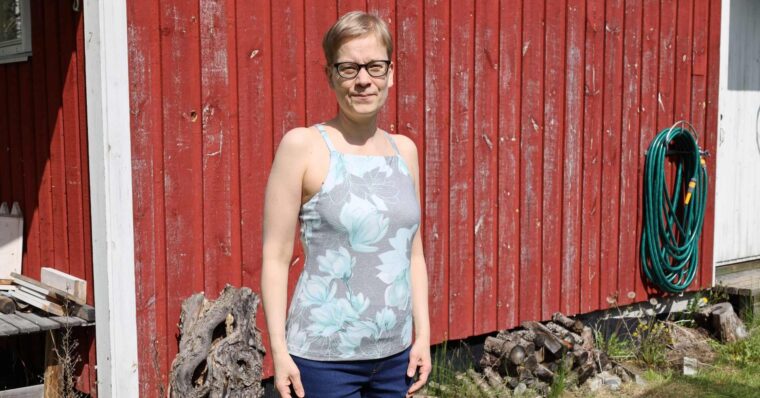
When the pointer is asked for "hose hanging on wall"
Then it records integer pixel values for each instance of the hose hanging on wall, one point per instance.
(673, 219)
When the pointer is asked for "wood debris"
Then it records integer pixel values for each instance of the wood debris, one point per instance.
(534, 355)
(28, 291)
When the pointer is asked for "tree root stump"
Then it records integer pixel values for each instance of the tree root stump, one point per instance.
(220, 349)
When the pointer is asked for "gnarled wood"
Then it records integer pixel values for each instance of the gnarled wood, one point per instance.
(220, 349)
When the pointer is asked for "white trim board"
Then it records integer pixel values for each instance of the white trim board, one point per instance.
(106, 68)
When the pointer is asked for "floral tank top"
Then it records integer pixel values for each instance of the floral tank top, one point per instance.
(353, 298)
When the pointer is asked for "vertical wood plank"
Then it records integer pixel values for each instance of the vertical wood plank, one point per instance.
(510, 92)
(461, 280)
(410, 78)
(649, 110)
(288, 96)
(345, 6)
(85, 172)
(612, 103)
(148, 194)
(553, 155)
(14, 132)
(684, 48)
(436, 185)
(56, 138)
(319, 104)
(711, 139)
(698, 103)
(181, 121)
(221, 198)
(254, 42)
(531, 159)
(667, 53)
(42, 140)
(573, 157)
(485, 136)
(28, 207)
(629, 145)
(592, 137)
(71, 145)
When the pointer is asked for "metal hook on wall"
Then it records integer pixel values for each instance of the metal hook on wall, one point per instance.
(75, 6)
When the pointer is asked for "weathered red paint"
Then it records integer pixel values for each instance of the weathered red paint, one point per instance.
(531, 140)
(43, 156)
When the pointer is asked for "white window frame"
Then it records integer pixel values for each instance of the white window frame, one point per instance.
(20, 49)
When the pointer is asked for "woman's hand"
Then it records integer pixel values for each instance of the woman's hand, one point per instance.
(419, 357)
(286, 374)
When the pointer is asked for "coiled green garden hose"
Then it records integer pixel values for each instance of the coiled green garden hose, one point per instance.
(673, 220)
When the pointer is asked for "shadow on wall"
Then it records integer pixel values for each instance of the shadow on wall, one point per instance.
(43, 150)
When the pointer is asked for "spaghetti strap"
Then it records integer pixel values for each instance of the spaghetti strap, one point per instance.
(393, 143)
(325, 137)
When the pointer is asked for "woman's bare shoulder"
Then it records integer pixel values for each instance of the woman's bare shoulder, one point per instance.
(299, 139)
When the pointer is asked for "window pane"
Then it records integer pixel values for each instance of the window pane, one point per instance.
(10, 20)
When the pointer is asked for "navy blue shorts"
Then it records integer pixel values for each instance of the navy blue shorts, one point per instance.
(374, 378)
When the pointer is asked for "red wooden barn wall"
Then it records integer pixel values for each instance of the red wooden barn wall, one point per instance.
(532, 118)
(43, 150)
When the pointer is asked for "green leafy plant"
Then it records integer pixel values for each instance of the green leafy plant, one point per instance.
(614, 345)
(651, 339)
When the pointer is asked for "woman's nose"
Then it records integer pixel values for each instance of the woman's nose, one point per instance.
(363, 78)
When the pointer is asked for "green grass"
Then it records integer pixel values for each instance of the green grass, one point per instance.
(736, 373)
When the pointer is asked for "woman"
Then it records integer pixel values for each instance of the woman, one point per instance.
(355, 190)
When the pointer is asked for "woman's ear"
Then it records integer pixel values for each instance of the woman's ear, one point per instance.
(391, 67)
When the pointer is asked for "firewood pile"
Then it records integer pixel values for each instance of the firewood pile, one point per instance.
(533, 356)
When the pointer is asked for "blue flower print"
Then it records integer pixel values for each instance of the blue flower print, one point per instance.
(352, 337)
(397, 294)
(364, 223)
(317, 290)
(298, 337)
(361, 165)
(406, 332)
(394, 269)
(337, 263)
(385, 319)
(329, 318)
(358, 302)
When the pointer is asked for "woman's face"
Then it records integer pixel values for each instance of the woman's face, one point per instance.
(363, 95)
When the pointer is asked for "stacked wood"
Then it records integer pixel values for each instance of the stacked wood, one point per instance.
(533, 356)
(220, 349)
(49, 298)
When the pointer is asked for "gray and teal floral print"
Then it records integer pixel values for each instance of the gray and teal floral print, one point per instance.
(353, 298)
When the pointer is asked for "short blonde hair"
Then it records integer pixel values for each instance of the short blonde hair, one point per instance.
(352, 25)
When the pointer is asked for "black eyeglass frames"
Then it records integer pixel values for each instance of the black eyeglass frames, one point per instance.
(349, 70)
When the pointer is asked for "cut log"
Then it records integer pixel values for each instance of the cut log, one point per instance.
(564, 334)
(543, 373)
(723, 322)
(545, 338)
(569, 323)
(7, 306)
(220, 349)
(588, 338)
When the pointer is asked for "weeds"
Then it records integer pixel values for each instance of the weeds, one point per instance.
(560, 380)
(64, 347)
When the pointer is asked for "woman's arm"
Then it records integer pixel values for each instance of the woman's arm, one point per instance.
(281, 206)
(419, 356)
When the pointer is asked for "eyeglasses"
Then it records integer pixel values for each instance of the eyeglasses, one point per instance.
(349, 70)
